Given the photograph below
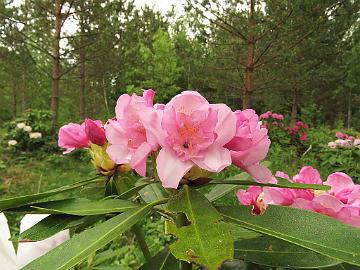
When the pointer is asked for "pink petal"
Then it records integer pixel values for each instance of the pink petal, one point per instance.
(170, 168)
(215, 159)
(226, 124)
(119, 153)
(151, 120)
(139, 158)
(121, 105)
(338, 181)
(187, 102)
(251, 156)
(282, 175)
(260, 173)
(114, 132)
(148, 96)
(308, 175)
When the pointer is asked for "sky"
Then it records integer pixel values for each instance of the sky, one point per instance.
(162, 5)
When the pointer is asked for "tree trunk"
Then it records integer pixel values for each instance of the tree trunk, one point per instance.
(294, 109)
(82, 56)
(24, 99)
(249, 69)
(82, 84)
(349, 110)
(105, 95)
(14, 93)
(56, 64)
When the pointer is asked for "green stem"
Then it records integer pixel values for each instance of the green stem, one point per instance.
(182, 221)
(252, 183)
(140, 237)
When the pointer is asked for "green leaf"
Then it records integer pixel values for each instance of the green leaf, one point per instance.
(220, 191)
(313, 231)
(109, 267)
(206, 240)
(164, 260)
(106, 255)
(273, 252)
(25, 199)
(152, 193)
(281, 184)
(132, 191)
(240, 233)
(78, 248)
(85, 207)
(49, 226)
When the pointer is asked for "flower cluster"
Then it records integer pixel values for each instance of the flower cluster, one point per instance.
(269, 118)
(342, 201)
(344, 141)
(343, 136)
(299, 130)
(185, 135)
(27, 130)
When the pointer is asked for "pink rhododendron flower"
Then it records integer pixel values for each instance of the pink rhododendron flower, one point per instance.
(95, 131)
(303, 137)
(73, 136)
(130, 142)
(250, 145)
(252, 196)
(265, 115)
(341, 135)
(277, 116)
(191, 132)
(341, 202)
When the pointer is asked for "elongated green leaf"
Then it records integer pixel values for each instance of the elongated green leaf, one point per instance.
(85, 207)
(240, 233)
(106, 255)
(152, 193)
(273, 252)
(25, 199)
(206, 240)
(50, 226)
(281, 184)
(164, 260)
(342, 266)
(310, 230)
(132, 191)
(220, 191)
(83, 244)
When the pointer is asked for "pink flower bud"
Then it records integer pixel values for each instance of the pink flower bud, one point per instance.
(95, 132)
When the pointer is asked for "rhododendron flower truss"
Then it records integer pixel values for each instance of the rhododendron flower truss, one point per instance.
(191, 132)
(76, 136)
(130, 142)
(341, 202)
(250, 145)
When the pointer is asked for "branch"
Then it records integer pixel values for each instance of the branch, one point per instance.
(227, 27)
(288, 48)
(280, 23)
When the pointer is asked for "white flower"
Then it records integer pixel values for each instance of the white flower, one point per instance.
(21, 125)
(332, 144)
(28, 129)
(12, 142)
(27, 251)
(35, 135)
